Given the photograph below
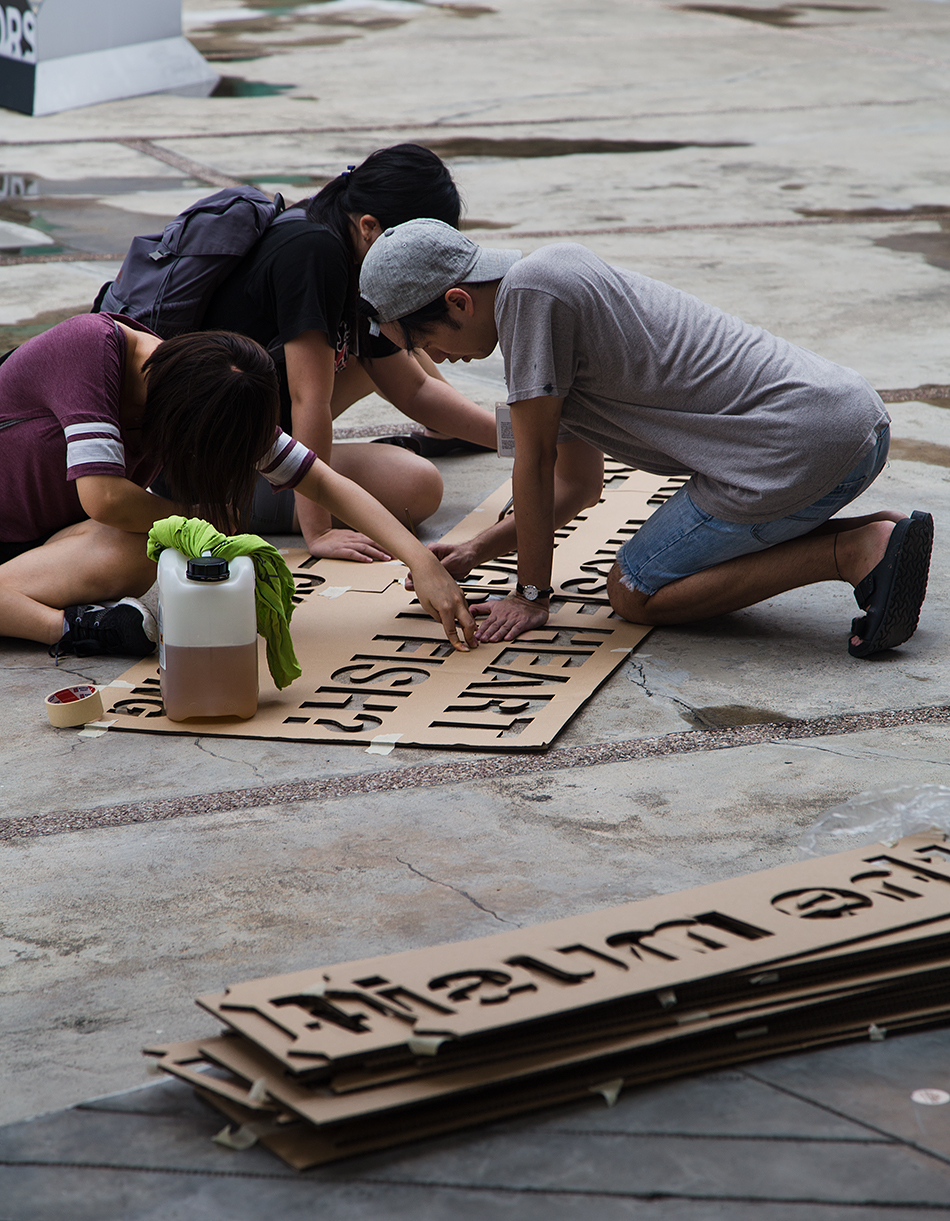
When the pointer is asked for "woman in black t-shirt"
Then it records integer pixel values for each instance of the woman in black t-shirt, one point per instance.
(296, 294)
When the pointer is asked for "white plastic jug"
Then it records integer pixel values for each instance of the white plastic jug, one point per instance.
(207, 636)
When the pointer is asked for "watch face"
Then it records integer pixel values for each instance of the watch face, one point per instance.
(531, 593)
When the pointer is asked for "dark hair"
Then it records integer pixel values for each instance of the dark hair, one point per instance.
(211, 413)
(421, 321)
(396, 184)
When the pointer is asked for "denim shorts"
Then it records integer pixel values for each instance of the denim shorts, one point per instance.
(679, 539)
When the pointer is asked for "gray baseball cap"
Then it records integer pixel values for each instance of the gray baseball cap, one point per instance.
(413, 264)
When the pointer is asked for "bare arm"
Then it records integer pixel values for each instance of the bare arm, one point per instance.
(578, 482)
(431, 401)
(310, 372)
(435, 588)
(534, 423)
(118, 502)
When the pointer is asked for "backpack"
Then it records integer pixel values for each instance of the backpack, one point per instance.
(167, 279)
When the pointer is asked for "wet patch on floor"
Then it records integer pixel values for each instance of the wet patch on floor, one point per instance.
(12, 336)
(782, 15)
(546, 146)
(285, 26)
(80, 225)
(18, 190)
(921, 451)
(935, 247)
(731, 716)
(238, 87)
(917, 212)
(471, 222)
(935, 395)
(232, 49)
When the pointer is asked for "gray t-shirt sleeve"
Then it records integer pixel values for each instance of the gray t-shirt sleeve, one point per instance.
(536, 333)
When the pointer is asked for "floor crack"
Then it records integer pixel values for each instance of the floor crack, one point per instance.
(844, 754)
(458, 890)
(637, 675)
(226, 759)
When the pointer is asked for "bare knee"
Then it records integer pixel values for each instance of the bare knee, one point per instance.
(123, 561)
(629, 604)
(427, 492)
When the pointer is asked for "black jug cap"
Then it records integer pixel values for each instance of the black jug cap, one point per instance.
(207, 568)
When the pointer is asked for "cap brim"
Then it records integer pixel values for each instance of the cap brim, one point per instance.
(491, 265)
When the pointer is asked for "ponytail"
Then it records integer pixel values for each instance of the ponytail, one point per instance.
(396, 184)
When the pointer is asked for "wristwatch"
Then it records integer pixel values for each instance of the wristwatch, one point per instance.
(531, 593)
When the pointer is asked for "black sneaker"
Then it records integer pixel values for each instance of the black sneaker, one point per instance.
(126, 629)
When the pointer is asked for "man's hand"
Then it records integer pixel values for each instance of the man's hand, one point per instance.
(458, 559)
(346, 545)
(509, 618)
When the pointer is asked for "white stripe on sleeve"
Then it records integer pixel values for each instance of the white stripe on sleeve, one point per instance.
(95, 449)
(93, 426)
(286, 462)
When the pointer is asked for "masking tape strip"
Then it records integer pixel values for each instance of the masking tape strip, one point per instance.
(95, 729)
(334, 591)
(238, 1139)
(383, 744)
(609, 1091)
(258, 1091)
(426, 1044)
(73, 706)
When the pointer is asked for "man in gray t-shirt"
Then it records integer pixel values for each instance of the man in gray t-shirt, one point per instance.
(775, 439)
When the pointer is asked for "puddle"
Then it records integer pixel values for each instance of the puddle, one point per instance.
(12, 336)
(935, 247)
(544, 146)
(783, 15)
(472, 222)
(27, 187)
(934, 395)
(238, 87)
(70, 212)
(921, 451)
(941, 211)
(731, 716)
(267, 27)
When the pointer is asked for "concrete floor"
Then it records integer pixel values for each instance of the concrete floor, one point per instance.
(809, 146)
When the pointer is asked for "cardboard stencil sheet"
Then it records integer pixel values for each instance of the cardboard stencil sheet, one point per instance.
(669, 953)
(328, 1062)
(377, 670)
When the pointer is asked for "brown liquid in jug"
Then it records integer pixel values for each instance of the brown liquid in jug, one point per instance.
(210, 682)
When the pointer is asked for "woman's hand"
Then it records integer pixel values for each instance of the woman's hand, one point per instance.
(346, 545)
(509, 618)
(458, 559)
(442, 598)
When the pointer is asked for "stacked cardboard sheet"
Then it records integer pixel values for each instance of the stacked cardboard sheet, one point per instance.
(338, 1060)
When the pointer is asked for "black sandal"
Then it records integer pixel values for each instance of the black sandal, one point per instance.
(893, 592)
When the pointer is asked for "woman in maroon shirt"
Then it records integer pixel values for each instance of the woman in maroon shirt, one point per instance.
(90, 412)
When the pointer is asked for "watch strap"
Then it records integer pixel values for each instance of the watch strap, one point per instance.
(532, 593)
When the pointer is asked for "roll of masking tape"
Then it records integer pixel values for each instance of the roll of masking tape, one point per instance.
(73, 706)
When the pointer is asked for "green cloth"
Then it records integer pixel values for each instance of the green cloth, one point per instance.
(274, 588)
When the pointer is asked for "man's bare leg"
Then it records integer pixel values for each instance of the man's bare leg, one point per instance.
(848, 554)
